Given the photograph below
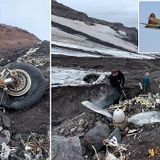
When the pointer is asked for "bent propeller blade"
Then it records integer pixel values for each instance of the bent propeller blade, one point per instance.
(96, 109)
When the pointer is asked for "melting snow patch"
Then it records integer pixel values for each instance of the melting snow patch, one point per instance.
(59, 51)
(102, 32)
(69, 76)
(99, 52)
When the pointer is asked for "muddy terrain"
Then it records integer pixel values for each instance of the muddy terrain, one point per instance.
(67, 110)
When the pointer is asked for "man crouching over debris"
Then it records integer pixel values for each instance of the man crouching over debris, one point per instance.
(117, 81)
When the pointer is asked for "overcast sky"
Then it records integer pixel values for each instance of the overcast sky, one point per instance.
(124, 11)
(32, 15)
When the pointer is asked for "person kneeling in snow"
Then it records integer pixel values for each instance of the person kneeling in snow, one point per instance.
(117, 81)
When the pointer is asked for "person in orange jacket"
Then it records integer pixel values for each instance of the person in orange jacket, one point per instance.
(153, 20)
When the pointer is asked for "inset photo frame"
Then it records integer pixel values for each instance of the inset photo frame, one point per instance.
(149, 27)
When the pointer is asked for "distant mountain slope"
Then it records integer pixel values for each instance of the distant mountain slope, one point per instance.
(66, 20)
(61, 10)
(14, 38)
(100, 34)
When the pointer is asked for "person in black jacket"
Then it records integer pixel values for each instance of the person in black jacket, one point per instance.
(117, 81)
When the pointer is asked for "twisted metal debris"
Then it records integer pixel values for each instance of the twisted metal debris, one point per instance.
(33, 149)
(113, 143)
(141, 103)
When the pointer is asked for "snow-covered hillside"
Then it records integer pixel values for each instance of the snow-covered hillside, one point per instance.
(98, 53)
(76, 34)
(99, 32)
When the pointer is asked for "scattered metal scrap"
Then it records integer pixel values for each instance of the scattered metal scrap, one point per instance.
(32, 149)
(154, 152)
(140, 104)
(139, 110)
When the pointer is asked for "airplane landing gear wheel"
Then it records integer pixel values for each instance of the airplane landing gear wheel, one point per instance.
(22, 84)
(28, 88)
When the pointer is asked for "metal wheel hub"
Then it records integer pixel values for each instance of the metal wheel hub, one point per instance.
(15, 82)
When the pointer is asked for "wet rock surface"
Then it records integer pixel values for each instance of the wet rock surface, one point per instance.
(66, 148)
(96, 135)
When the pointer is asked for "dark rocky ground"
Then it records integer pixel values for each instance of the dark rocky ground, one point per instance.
(34, 119)
(30, 120)
(67, 111)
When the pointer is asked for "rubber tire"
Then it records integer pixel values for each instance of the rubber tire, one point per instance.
(34, 94)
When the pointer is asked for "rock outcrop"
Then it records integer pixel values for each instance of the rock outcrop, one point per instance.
(66, 148)
(14, 38)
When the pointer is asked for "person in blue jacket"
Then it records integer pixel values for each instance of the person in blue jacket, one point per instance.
(147, 83)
